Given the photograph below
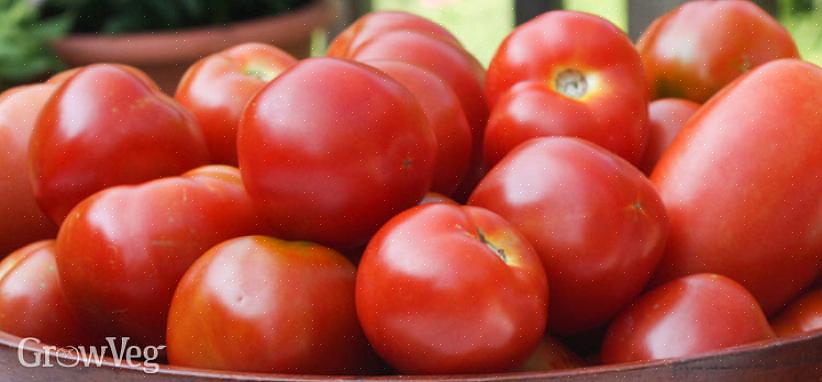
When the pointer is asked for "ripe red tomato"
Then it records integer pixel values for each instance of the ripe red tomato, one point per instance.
(567, 73)
(451, 289)
(265, 305)
(596, 222)
(698, 48)
(665, 118)
(375, 24)
(32, 302)
(433, 198)
(800, 317)
(331, 149)
(106, 126)
(121, 252)
(688, 316)
(217, 88)
(742, 187)
(21, 220)
(551, 354)
(445, 117)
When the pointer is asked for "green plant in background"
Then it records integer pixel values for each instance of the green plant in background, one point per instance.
(24, 51)
(803, 18)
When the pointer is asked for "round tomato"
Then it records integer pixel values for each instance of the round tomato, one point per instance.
(596, 222)
(665, 118)
(121, 252)
(800, 317)
(741, 184)
(331, 149)
(265, 305)
(32, 302)
(217, 88)
(551, 76)
(451, 289)
(21, 220)
(688, 316)
(698, 48)
(105, 126)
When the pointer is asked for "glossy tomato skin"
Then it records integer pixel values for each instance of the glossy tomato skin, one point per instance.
(374, 24)
(105, 126)
(32, 302)
(802, 316)
(121, 252)
(21, 220)
(216, 89)
(331, 149)
(445, 117)
(440, 281)
(596, 222)
(695, 50)
(567, 73)
(741, 185)
(665, 118)
(691, 315)
(261, 304)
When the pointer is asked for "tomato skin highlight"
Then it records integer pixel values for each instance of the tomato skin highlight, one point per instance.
(698, 48)
(801, 317)
(688, 316)
(106, 126)
(440, 281)
(741, 185)
(21, 220)
(596, 222)
(551, 76)
(331, 149)
(121, 252)
(217, 87)
(261, 304)
(666, 117)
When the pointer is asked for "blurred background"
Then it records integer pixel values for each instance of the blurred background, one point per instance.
(41, 37)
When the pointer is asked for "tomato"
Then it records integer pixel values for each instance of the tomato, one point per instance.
(552, 355)
(688, 316)
(216, 89)
(433, 198)
(451, 289)
(32, 302)
(567, 73)
(331, 149)
(695, 50)
(800, 317)
(105, 126)
(374, 24)
(21, 220)
(121, 252)
(741, 183)
(445, 117)
(596, 222)
(261, 304)
(665, 118)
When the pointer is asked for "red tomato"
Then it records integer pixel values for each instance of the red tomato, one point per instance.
(665, 118)
(552, 355)
(331, 149)
(217, 88)
(32, 303)
(121, 252)
(445, 117)
(688, 316)
(374, 24)
(741, 183)
(800, 317)
(21, 220)
(567, 73)
(594, 219)
(453, 64)
(260, 304)
(451, 289)
(106, 126)
(698, 48)
(433, 198)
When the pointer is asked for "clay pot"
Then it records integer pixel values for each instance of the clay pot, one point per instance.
(166, 55)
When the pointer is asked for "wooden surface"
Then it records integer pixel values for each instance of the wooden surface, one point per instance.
(796, 359)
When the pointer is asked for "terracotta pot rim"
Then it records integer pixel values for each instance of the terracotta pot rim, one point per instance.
(185, 45)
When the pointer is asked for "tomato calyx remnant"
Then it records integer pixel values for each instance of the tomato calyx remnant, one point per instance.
(571, 83)
(497, 250)
(259, 72)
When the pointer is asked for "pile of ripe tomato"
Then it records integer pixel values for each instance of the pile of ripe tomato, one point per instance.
(292, 216)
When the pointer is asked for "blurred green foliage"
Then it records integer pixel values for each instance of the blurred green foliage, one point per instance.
(24, 52)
